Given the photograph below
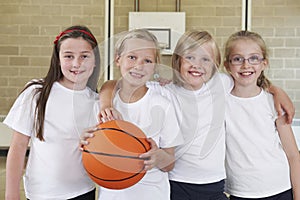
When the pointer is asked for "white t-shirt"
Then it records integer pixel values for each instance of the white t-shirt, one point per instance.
(54, 169)
(200, 160)
(155, 115)
(256, 163)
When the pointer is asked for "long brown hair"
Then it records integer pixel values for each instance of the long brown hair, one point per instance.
(55, 74)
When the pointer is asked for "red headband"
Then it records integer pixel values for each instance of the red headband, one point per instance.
(69, 31)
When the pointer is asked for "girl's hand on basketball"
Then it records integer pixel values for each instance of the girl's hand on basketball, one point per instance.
(109, 114)
(162, 158)
(88, 133)
(151, 157)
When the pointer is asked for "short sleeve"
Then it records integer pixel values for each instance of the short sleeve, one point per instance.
(21, 115)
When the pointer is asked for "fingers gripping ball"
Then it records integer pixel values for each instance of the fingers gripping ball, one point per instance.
(112, 157)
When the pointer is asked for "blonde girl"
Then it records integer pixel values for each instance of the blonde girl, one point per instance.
(50, 113)
(262, 158)
(199, 171)
(136, 55)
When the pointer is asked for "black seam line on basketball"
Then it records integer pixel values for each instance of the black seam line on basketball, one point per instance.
(116, 180)
(115, 155)
(116, 129)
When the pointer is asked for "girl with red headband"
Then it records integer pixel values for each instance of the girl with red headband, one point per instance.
(50, 113)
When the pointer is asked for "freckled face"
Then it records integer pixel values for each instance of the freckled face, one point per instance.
(77, 62)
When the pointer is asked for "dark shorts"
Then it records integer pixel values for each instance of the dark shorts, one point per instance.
(187, 191)
(287, 195)
(87, 196)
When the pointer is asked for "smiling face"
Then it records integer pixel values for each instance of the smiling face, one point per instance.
(245, 74)
(77, 62)
(137, 61)
(197, 66)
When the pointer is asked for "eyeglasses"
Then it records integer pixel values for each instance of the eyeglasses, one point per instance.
(253, 60)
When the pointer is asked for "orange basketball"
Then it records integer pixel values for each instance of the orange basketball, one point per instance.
(112, 157)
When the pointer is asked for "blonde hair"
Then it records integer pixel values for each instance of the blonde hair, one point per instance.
(143, 34)
(191, 40)
(262, 80)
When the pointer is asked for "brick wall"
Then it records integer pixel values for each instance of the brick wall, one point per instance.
(278, 21)
(29, 27)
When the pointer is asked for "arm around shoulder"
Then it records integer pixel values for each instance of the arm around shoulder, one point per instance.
(107, 93)
(282, 103)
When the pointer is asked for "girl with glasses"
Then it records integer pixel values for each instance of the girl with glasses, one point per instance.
(262, 158)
